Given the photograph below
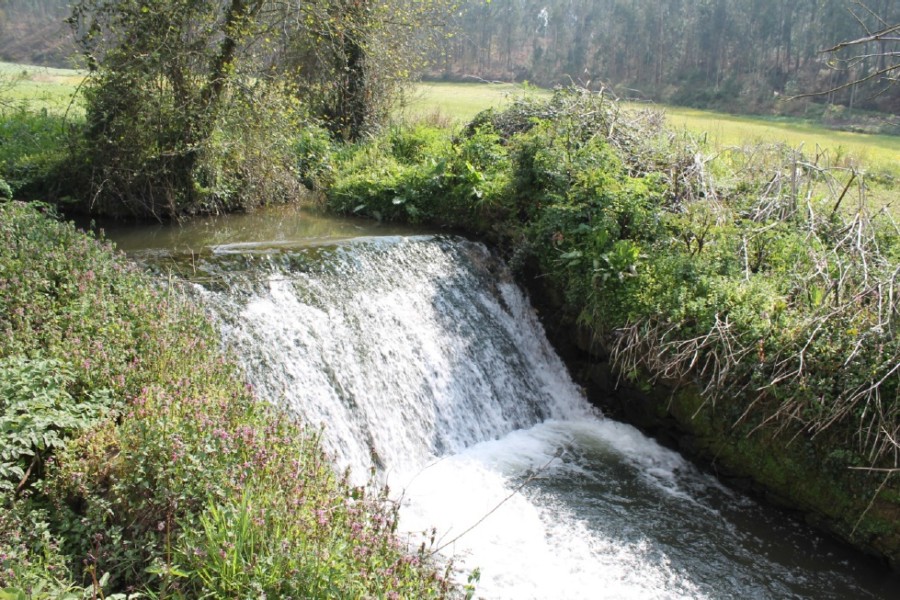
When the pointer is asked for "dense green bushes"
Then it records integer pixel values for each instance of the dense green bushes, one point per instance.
(757, 285)
(34, 159)
(135, 459)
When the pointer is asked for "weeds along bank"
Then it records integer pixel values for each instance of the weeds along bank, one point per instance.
(750, 303)
(134, 458)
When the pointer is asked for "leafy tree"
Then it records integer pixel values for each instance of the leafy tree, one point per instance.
(348, 59)
(192, 105)
(179, 119)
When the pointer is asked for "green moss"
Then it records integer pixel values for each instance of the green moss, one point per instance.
(790, 469)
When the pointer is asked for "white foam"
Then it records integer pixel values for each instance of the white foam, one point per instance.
(526, 543)
(421, 358)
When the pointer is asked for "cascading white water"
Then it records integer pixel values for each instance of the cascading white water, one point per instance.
(421, 358)
(405, 348)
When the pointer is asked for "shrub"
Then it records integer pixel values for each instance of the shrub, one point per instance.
(33, 155)
(732, 279)
(314, 149)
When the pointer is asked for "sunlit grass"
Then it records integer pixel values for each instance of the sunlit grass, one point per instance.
(39, 88)
(459, 102)
(878, 154)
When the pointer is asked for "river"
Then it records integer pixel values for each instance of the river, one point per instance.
(426, 365)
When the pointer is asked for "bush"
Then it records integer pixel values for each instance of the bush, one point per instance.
(313, 149)
(424, 174)
(732, 286)
(33, 155)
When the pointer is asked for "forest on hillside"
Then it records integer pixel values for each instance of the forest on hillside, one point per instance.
(740, 55)
(734, 55)
(35, 32)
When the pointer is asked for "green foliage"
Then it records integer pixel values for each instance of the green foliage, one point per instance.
(421, 173)
(33, 155)
(191, 128)
(313, 149)
(190, 487)
(37, 415)
(348, 60)
(755, 283)
(204, 121)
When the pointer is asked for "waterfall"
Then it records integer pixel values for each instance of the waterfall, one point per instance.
(404, 348)
(424, 362)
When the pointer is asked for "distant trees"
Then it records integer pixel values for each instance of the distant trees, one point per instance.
(33, 31)
(872, 58)
(732, 54)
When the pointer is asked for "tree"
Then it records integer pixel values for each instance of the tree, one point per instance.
(192, 104)
(348, 59)
(175, 111)
(874, 57)
(741, 55)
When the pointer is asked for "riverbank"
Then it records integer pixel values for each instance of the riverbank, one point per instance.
(743, 286)
(136, 460)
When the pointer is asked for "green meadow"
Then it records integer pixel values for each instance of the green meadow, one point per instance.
(39, 87)
(879, 154)
(459, 102)
(875, 153)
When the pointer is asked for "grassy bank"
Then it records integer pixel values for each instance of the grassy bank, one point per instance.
(460, 102)
(135, 459)
(767, 283)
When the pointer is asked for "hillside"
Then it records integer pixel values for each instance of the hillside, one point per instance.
(732, 55)
(35, 32)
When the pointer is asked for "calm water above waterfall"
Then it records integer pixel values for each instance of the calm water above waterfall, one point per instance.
(425, 362)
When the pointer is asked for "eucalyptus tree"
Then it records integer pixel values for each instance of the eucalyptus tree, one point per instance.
(734, 54)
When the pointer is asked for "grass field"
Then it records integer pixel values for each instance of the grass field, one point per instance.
(875, 153)
(38, 87)
(879, 154)
(459, 102)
